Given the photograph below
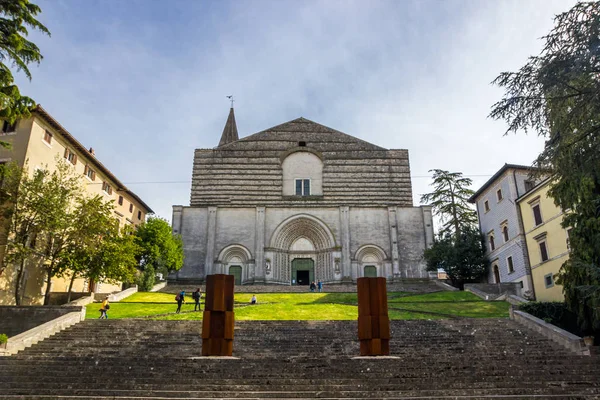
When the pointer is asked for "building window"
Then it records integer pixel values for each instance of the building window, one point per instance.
(505, 233)
(48, 137)
(302, 187)
(509, 264)
(7, 127)
(139, 215)
(486, 206)
(120, 200)
(569, 239)
(131, 208)
(529, 185)
(549, 280)
(492, 242)
(106, 188)
(537, 214)
(71, 157)
(499, 195)
(543, 251)
(90, 173)
(301, 144)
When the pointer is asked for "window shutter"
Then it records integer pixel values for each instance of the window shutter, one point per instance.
(85, 170)
(74, 159)
(66, 153)
(93, 175)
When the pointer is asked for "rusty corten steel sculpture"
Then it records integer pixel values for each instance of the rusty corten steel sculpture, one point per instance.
(373, 320)
(217, 320)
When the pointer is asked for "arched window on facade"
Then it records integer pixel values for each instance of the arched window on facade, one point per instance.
(302, 174)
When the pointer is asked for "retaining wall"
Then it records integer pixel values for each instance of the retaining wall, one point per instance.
(560, 336)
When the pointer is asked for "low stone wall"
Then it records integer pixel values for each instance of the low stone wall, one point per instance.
(494, 291)
(564, 338)
(158, 286)
(38, 333)
(516, 300)
(17, 319)
(123, 294)
(60, 298)
(445, 286)
(83, 301)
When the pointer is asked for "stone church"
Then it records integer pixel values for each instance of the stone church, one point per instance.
(300, 202)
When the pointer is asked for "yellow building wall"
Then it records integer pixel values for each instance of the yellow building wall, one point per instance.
(29, 149)
(556, 241)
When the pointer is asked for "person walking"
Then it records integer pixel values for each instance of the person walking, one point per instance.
(320, 286)
(180, 298)
(196, 296)
(104, 308)
(312, 286)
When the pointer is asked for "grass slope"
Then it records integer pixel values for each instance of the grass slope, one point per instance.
(310, 306)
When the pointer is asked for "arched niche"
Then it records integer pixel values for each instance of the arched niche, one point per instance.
(303, 166)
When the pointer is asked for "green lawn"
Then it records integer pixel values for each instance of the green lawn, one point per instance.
(310, 306)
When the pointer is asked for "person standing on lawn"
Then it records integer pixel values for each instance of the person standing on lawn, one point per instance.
(312, 286)
(180, 299)
(320, 286)
(196, 296)
(104, 308)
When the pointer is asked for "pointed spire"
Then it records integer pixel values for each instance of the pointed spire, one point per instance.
(230, 133)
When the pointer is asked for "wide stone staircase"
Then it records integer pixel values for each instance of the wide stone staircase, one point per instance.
(445, 359)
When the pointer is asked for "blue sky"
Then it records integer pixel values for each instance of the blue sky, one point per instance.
(144, 82)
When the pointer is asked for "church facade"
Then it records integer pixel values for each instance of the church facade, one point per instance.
(301, 202)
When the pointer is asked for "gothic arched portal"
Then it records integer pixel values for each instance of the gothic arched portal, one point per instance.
(302, 237)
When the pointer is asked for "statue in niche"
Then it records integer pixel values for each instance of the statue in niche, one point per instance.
(268, 266)
(337, 266)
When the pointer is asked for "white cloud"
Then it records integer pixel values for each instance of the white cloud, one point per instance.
(145, 88)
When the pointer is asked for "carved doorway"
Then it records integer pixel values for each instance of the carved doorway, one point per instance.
(236, 271)
(370, 271)
(303, 271)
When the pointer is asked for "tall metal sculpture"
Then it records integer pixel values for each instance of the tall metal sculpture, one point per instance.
(218, 318)
(373, 320)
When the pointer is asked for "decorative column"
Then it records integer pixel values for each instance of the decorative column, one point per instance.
(345, 238)
(211, 231)
(259, 248)
(394, 242)
(218, 318)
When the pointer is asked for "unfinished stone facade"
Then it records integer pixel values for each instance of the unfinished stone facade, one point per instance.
(301, 202)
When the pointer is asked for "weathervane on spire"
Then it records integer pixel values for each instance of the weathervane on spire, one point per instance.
(231, 99)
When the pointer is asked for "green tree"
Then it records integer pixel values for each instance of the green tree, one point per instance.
(18, 53)
(161, 249)
(115, 259)
(450, 201)
(91, 220)
(21, 221)
(462, 256)
(556, 94)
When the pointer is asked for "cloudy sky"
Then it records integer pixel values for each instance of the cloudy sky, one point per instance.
(144, 82)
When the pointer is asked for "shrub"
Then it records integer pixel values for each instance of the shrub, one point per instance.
(145, 281)
(3, 338)
(555, 313)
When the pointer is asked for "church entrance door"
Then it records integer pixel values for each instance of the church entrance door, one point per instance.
(370, 271)
(303, 271)
(236, 271)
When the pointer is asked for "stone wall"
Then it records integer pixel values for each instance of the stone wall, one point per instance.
(58, 298)
(398, 234)
(249, 172)
(18, 319)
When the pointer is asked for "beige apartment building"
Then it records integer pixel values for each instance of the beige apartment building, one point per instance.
(37, 143)
(547, 240)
